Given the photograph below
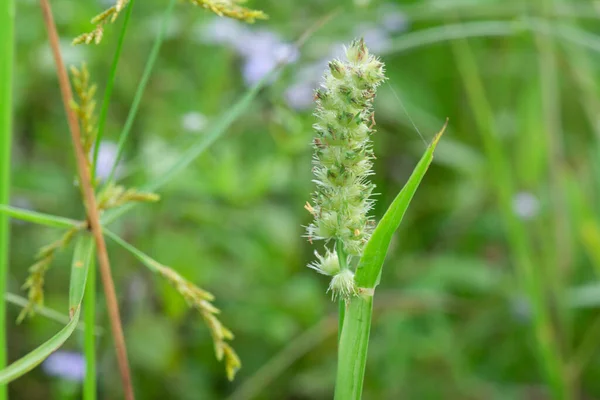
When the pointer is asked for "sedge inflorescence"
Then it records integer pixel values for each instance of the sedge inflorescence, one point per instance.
(342, 163)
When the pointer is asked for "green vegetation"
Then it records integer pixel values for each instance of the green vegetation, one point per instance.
(489, 287)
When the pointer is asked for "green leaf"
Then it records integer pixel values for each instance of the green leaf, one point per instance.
(149, 262)
(83, 251)
(371, 263)
(47, 312)
(79, 270)
(35, 358)
(38, 218)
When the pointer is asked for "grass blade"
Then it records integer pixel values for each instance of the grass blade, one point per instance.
(79, 270)
(81, 257)
(37, 217)
(141, 87)
(35, 358)
(371, 263)
(109, 86)
(141, 256)
(356, 326)
(49, 313)
(7, 50)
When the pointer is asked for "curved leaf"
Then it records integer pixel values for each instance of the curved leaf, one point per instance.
(371, 263)
(81, 257)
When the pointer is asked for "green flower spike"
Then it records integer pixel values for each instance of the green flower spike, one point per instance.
(342, 161)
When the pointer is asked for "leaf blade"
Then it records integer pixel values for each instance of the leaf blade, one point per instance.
(37, 356)
(38, 218)
(371, 263)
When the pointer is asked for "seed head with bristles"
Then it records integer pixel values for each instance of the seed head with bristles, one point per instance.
(342, 164)
(343, 154)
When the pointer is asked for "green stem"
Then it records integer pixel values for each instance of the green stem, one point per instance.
(89, 309)
(341, 315)
(141, 87)
(354, 343)
(343, 260)
(7, 20)
(109, 87)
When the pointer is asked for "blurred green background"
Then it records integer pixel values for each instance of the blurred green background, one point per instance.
(516, 177)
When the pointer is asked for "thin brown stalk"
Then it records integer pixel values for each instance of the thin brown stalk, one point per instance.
(89, 199)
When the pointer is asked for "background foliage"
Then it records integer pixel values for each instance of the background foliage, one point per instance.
(452, 318)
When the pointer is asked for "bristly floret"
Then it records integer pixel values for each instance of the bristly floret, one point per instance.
(342, 150)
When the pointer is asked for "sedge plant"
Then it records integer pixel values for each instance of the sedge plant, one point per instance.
(105, 203)
(355, 247)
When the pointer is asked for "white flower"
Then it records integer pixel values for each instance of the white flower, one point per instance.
(328, 265)
(342, 285)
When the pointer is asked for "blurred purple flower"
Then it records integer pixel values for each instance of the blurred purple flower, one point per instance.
(300, 95)
(521, 309)
(262, 50)
(65, 364)
(222, 31)
(107, 155)
(525, 205)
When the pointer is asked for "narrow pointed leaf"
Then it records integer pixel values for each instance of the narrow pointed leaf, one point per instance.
(79, 270)
(83, 250)
(371, 262)
(149, 262)
(38, 218)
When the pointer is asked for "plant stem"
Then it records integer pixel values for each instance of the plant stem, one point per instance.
(343, 260)
(89, 309)
(7, 20)
(352, 353)
(83, 169)
(141, 87)
(109, 87)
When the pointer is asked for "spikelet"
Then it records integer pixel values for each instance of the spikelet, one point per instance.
(34, 283)
(105, 17)
(343, 155)
(116, 195)
(85, 107)
(231, 9)
(201, 301)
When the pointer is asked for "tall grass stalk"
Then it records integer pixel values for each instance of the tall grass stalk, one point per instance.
(7, 20)
(91, 205)
(90, 384)
(519, 242)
